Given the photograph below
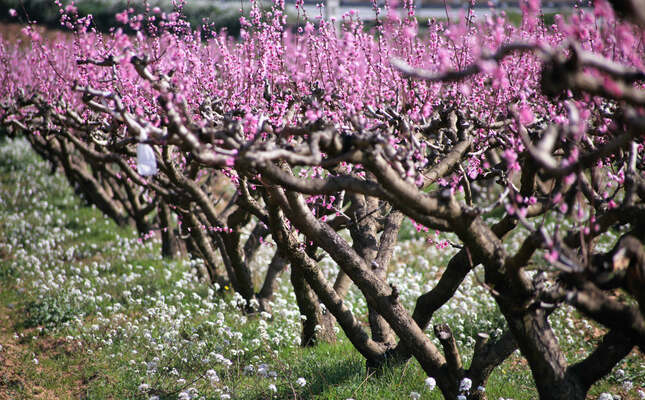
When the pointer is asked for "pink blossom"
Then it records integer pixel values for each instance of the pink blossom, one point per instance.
(312, 115)
(569, 179)
(122, 17)
(552, 256)
(31, 33)
(526, 115)
(511, 159)
(410, 31)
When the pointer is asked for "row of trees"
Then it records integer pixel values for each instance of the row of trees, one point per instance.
(475, 127)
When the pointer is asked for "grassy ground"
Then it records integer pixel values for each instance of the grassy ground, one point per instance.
(89, 311)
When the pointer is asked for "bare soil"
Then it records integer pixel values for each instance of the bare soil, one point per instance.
(22, 378)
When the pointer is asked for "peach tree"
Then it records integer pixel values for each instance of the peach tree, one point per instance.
(322, 138)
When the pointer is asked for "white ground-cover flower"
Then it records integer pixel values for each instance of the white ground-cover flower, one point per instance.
(465, 385)
(183, 396)
(212, 376)
(273, 388)
(263, 370)
(430, 383)
(605, 396)
(144, 387)
(415, 395)
(301, 381)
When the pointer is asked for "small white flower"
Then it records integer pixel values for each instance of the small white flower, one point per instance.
(461, 397)
(431, 383)
(301, 381)
(144, 387)
(225, 396)
(628, 385)
(620, 373)
(263, 370)
(415, 395)
(641, 394)
(605, 396)
(465, 385)
(36, 361)
(183, 396)
(273, 388)
(212, 376)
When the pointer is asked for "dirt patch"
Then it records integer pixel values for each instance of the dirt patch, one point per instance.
(12, 382)
(21, 376)
(57, 346)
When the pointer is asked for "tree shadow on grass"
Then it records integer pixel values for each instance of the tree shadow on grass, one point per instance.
(323, 367)
(336, 373)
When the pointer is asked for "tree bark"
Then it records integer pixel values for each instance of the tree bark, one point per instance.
(316, 326)
(170, 246)
(265, 295)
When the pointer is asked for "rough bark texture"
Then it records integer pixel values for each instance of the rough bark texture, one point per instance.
(265, 295)
(316, 326)
(170, 245)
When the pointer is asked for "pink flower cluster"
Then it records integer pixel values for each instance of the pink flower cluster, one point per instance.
(316, 73)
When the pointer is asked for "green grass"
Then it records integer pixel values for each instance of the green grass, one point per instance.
(104, 314)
